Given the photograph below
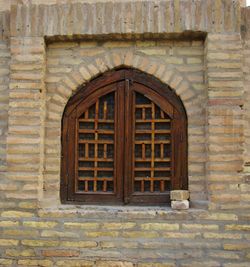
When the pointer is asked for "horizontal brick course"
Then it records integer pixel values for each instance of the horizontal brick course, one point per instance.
(77, 18)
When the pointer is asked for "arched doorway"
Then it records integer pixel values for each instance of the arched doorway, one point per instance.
(124, 140)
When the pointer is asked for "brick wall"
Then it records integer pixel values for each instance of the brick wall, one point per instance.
(46, 53)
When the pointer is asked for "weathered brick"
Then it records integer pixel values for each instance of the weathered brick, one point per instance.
(159, 226)
(79, 244)
(16, 214)
(9, 224)
(200, 227)
(27, 205)
(63, 45)
(180, 235)
(40, 243)
(220, 216)
(157, 264)
(151, 51)
(35, 224)
(45, 263)
(224, 255)
(85, 73)
(8, 242)
(92, 225)
(239, 264)
(118, 226)
(237, 227)
(60, 253)
(75, 263)
(102, 234)
(174, 60)
(49, 233)
(21, 233)
(140, 234)
(114, 264)
(20, 252)
(145, 43)
(117, 44)
(208, 263)
(6, 262)
(124, 244)
(222, 236)
(91, 52)
(194, 60)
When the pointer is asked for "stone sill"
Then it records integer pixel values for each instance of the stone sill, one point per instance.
(123, 212)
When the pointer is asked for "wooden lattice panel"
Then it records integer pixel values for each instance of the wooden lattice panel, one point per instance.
(95, 171)
(152, 147)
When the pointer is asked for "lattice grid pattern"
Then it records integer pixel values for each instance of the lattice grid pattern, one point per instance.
(96, 146)
(152, 147)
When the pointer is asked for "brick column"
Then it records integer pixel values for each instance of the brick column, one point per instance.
(224, 119)
(245, 187)
(25, 136)
(6, 186)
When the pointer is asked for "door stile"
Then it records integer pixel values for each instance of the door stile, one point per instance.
(71, 154)
(128, 122)
(119, 140)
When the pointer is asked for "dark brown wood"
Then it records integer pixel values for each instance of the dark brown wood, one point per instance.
(145, 130)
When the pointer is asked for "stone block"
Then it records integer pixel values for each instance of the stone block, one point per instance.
(179, 195)
(180, 204)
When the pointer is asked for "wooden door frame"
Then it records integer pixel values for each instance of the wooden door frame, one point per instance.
(164, 92)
